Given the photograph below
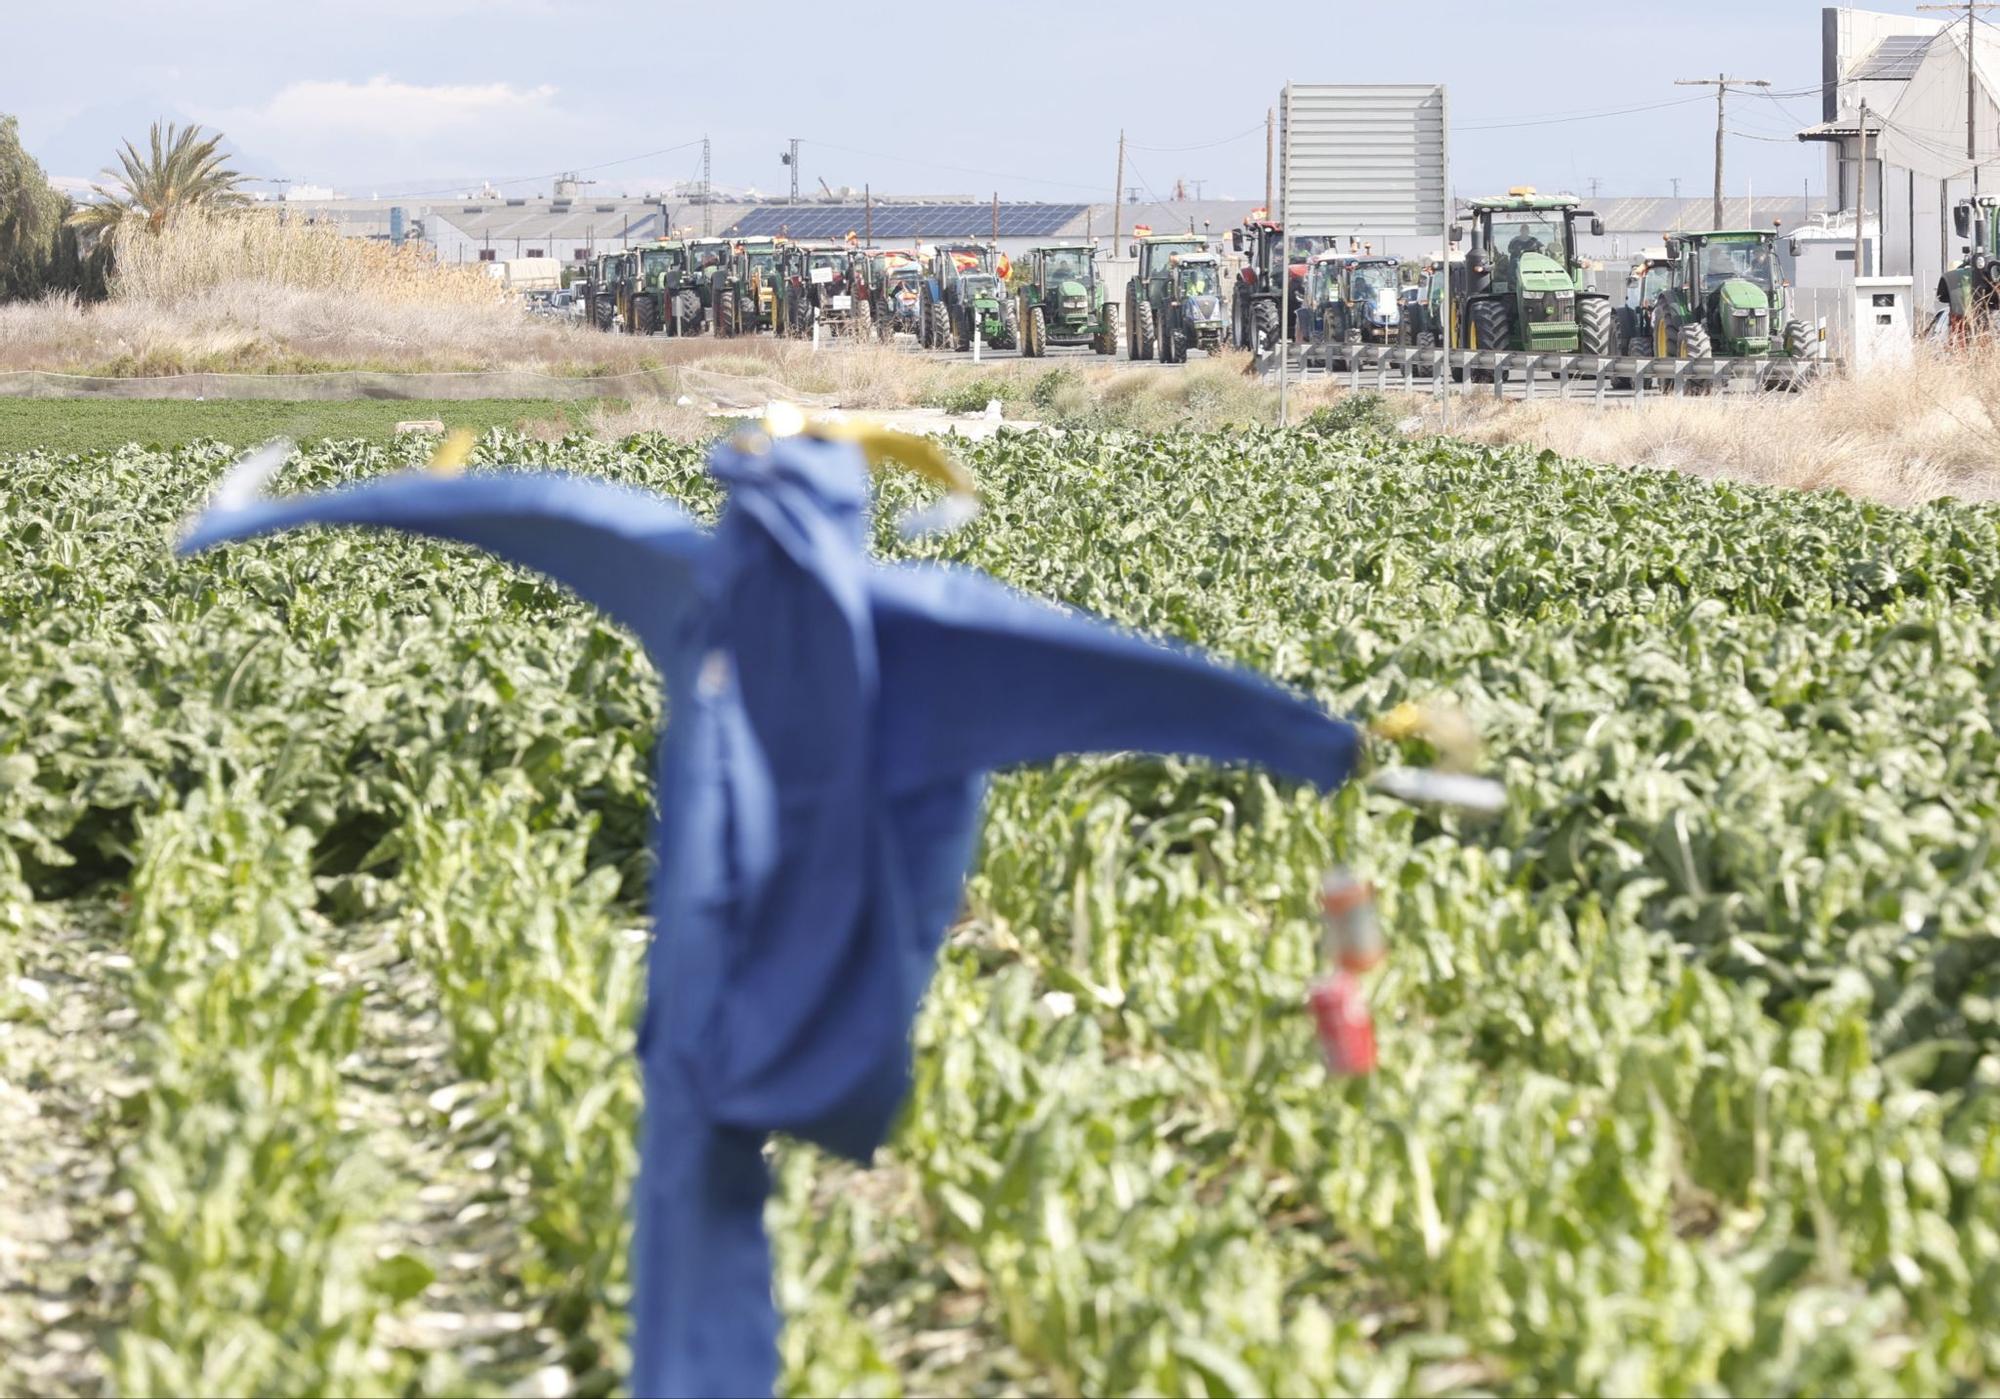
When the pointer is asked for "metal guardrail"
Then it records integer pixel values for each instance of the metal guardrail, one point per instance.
(1543, 375)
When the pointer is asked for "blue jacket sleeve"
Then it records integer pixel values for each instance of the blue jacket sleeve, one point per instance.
(626, 552)
(976, 675)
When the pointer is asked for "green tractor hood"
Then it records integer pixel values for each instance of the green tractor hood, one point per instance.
(1539, 272)
(1740, 295)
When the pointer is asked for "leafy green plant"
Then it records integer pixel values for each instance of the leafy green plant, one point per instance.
(1689, 1059)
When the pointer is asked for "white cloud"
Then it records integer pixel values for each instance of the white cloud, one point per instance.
(340, 130)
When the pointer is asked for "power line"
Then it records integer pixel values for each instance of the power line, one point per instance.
(1204, 146)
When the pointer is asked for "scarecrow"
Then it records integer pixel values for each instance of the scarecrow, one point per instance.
(833, 720)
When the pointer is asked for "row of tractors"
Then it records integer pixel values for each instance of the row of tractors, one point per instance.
(1519, 285)
(949, 296)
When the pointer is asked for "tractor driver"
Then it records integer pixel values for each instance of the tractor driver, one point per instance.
(1194, 280)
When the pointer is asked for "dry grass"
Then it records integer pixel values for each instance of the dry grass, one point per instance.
(1898, 436)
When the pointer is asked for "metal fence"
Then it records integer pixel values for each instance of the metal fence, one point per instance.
(1519, 374)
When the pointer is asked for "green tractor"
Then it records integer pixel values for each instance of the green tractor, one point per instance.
(1189, 313)
(1148, 287)
(1521, 285)
(1727, 299)
(1063, 302)
(1971, 290)
(601, 284)
(965, 296)
(712, 278)
(659, 296)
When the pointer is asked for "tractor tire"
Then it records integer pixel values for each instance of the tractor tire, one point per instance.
(1596, 331)
(1035, 340)
(604, 313)
(645, 315)
(1798, 340)
(1695, 343)
(1011, 328)
(1143, 331)
(1625, 327)
(1113, 330)
(1491, 326)
(1264, 322)
(864, 320)
(941, 337)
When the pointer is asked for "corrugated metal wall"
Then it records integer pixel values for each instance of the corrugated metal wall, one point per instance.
(1363, 158)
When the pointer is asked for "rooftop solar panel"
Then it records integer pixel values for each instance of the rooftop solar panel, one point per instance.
(1895, 59)
(904, 220)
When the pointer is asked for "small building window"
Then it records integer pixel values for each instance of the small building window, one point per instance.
(580, 255)
(1843, 254)
(486, 254)
(534, 252)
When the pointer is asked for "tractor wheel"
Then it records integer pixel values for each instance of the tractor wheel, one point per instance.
(603, 312)
(1264, 318)
(1596, 331)
(940, 325)
(864, 319)
(1695, 343)
(1142, 331)
(645, 315)
(1625, 327)
(1489, 326)
(1113, 329)
(1036, 342)
(1798, 340)
(1010, 328)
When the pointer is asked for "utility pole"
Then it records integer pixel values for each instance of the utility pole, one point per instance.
(1861, 191)
(1118, 194)
(1270, 114)
(1197, 187)
(1594, 183)
(792, 159)
(1721, 83)
(1971, 9)
(996, 215)
(1675, 181)
(707, 194)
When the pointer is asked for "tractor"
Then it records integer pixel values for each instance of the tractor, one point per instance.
(1063, 302)
(893, 280)
(1650, 276)
(1148, 287)
(758, 284)
(1971, 290)
(1256, 318)
(1521, 285)
(1189, 314)
(818, 284)
(600, 290)
(711, 281)
(1352, 301)
(965, 295)
(1727, 299)
(660, 297)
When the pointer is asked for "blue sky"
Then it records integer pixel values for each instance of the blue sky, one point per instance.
(1025, 97)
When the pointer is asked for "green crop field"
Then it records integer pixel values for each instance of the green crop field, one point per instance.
(94, 425)
(321, 877)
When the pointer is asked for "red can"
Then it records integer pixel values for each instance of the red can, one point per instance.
(1346, 1028)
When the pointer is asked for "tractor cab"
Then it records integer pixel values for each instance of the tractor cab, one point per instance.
(1195, 275)
(1069, 271)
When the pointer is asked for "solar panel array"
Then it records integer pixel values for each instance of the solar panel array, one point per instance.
(905, 220)
(1896, 58)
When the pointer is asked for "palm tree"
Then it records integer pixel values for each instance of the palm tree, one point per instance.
(183, 171)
